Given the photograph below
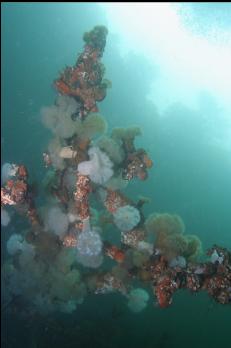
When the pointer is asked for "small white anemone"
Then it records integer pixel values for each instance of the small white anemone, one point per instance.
(126, 217)
(14, 244)
(178, 261)
(57, 221)
(215, 257)
(5, 217)
(145, 246)
(138, 299)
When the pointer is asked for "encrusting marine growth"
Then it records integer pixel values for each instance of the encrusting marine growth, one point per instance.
(89, 237)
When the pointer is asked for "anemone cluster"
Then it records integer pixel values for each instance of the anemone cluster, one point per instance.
(86, 236)
(170, 238)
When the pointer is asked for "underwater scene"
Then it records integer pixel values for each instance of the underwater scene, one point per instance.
(116, 175)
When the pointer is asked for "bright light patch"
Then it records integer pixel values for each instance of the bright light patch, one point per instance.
(190, 61)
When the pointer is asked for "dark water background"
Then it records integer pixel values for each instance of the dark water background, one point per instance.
(188, 177)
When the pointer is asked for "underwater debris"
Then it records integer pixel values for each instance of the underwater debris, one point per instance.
(136, 164)
(84, 82)
(67, 152)
(81, 194)
(17, 192)
(46, 159)
(70, 240)
(133, 237)
(65, 255)
(109, 283)
(136, 161)
(114, 200)
(205, 276)
(114, 252)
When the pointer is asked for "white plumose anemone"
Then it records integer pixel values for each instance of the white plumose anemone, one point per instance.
(16, 243)
(98, 168)
(58, 117)
(57, 221)
(89, 247)
(138, 299)
(126, 217)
